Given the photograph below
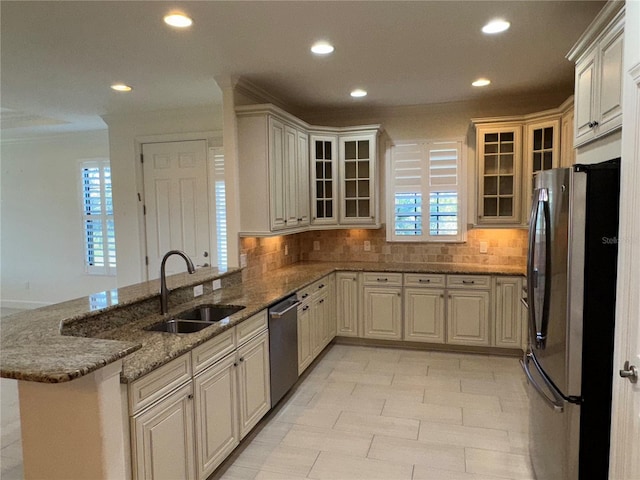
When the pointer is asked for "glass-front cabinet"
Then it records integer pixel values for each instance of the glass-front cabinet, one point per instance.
(499, 160)
(357, 172)
(324, 181)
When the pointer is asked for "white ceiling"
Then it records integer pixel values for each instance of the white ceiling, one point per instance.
(58, 58)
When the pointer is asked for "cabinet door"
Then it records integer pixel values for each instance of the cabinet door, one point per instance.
(585, 92)
(383, 312)
(305, 348)
(568, 153)
(424, 314)
(508, 326)
(357, 174)
(610, 76)
(253, 382)
(163, 438)
(291, 176)
(302, 182)
(324, 180)
(332, 324)
(277, 175)
(347, 299)
(468, 317)
(499, 162)
(216, 415)
(320, 325)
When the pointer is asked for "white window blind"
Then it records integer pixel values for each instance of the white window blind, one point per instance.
(426, 192)
(220, 199)
(97, 218)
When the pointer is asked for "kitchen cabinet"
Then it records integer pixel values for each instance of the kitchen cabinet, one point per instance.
(568, 152)
(468, 309)
(305, 342)
(320, 326)
(382, 300)
(358, 154)
(347, 304)
(499, 156)
(273, 156)
(253, 382)
(598, 76)
(424, 308)
(507, 313)
(324, 179)
(162, 438)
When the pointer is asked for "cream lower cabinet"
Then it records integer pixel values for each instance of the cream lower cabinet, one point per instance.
(382, 300)
(305, 346)
(316, 320)
(424, 308)
(347, 303)
(162, 437)
(320, 326)
(507, 312)
(468, 317)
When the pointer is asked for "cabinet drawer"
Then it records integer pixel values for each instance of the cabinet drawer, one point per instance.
(469, 281)
(154, 385)
(213, 350)
(251, 326)
(382, 278)
(424, 280)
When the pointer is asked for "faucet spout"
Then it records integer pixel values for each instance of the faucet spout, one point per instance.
(164, 291)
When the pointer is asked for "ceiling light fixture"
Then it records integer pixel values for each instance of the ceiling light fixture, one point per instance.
(358, 93)
(121, 87)
(496, 26)
(178, 20)
(322, 48)
(481, 82)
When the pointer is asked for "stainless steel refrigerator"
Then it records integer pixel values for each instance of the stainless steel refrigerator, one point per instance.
(571, 286)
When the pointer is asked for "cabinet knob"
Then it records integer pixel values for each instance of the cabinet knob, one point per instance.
(190, 396)
(242, 359)
(235, 364)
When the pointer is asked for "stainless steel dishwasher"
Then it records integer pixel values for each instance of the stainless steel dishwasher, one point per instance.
(283, 347)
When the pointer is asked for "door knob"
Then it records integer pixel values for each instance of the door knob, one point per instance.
(629, 372)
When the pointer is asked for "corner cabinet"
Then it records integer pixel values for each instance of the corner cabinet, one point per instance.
(324, 179)
(358, 155)
(499, 154)
(598, 76)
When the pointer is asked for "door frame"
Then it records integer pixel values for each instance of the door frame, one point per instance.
(213, 139)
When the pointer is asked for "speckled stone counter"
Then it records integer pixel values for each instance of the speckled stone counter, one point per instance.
(68, 340)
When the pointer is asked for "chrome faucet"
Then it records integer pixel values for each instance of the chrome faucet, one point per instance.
(164, 291)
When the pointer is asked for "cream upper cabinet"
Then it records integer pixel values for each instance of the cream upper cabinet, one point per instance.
(324, 179)
(568, 152)
(598, 76)
(499, 156)
(358, 155)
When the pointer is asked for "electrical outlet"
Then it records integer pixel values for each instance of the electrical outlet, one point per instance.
(316, 245)
(243, 260)
(367, 246)
(198, 290)
(286, 249)
(217, 284)
(484, 247)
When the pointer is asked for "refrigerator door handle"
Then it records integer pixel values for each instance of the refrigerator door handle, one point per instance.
(557, 402)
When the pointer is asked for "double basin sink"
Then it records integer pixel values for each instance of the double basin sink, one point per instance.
(196, 319)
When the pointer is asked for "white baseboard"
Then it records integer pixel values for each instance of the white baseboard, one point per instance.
(23, 304)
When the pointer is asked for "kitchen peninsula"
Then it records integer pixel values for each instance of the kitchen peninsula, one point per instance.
(76, 363)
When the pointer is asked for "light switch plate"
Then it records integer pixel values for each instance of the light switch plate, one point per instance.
(484, 247)
(198, 290)
(286, 249)
(243, 260)
(316, 245)
(217, 284)
(367, 246)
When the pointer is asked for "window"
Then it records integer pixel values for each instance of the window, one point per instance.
(97, 218)
(425, 192)
(220, 200)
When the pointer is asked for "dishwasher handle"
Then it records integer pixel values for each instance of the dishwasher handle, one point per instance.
(280, 314)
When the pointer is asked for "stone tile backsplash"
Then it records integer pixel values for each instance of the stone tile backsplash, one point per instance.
(505, 247)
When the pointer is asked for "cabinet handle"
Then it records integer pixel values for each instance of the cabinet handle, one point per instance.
(442, 295)
(305, 295)
(424, 280)
(382, 279)
(321, 286)
(305, 308)
(321, 301)
(468, 282)
(593, 124)
(190, 396)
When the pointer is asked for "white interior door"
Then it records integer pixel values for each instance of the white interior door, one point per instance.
(176, 203)
(625, 438)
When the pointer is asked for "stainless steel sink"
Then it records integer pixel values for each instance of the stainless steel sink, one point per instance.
(196, 319)
(210, 313)
(179, 326)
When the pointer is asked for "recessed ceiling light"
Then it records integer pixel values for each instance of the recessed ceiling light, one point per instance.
(358, 93)
(178, 20)
(121, 87)
(481, 82)
(496, 26)
(322, 48)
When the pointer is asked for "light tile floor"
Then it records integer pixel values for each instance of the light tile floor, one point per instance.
(373, 413)
(393, 414)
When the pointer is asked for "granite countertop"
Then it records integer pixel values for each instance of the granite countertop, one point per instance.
(33, 348)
